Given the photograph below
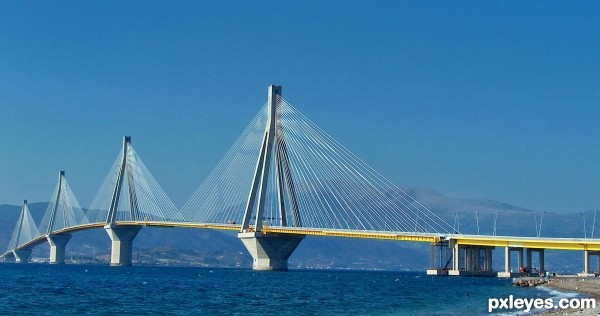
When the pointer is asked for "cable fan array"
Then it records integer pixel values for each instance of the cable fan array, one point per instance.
(332, 187)
(221, 198)
(63, 210)
(25, 231)
(336, 189)
(319, 183)
(141, 197)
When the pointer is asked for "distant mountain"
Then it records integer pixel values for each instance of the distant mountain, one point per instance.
(222, 249)
(442, 203)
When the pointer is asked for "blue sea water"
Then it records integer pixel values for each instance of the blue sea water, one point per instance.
(38, 289)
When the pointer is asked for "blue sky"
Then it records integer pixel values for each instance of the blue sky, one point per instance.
(475, 99)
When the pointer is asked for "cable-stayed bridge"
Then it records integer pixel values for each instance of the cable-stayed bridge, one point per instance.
(283, 179)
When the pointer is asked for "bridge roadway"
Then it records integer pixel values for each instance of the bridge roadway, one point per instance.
(418, 237)
(469, 254)
(460, 239)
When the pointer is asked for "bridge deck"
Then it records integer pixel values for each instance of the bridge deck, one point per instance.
(475, 240)
(528, 242)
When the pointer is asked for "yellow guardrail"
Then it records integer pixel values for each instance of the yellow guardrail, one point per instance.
(475, 240)
(528, 242)
(352, 234)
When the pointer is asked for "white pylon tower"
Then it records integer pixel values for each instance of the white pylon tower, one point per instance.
(273, 143)
(55, 203)
(58, 242)
(122, 236)
(268, 251)
(25, 231)
(114, 203)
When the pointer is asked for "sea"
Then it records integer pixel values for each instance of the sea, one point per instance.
(43, 289)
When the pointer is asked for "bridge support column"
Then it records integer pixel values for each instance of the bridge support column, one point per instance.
(528, 264)
(587, 258)
(476, 260)
(488, 259)
(439, 259)
(270, 252)
(122, 243)
(520, 257)
(22, 255)
(525, 266)
(468, 262)
(507, 257)
(541, 261)
(455, 255)
(508, 273)
(58, 244)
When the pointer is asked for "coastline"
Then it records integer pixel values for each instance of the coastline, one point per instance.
(587, 286)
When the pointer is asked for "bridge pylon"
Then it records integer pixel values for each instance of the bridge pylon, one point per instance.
(24, 232)
(271, 252)
(122, 236)
(58, 242)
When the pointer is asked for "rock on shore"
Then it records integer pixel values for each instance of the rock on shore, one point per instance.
(529, 282)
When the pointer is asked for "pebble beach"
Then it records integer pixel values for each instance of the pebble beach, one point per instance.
(584, 285)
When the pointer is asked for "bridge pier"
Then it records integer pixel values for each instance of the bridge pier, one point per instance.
(58, 244)
(22, 255)
(541, 264)
(269, 252)
(525, 266)
(122, 243)
(587, 257)
(471, 260)
(439, 259)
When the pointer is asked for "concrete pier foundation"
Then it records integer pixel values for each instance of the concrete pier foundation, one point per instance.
(270, 252)
(122, 243)
(58, 244)
(22, 255)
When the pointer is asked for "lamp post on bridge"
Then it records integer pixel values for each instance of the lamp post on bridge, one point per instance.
(541, 220)
(594, 223)
(456, 223)
(477, 219)
(495, 220)
(584, 230)
(536, 224)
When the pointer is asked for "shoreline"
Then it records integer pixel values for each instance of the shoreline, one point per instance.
(585, 286)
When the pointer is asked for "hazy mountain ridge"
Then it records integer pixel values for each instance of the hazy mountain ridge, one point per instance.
(440, 202)
(214, 248)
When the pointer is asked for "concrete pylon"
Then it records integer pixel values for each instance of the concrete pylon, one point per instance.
(22, 255)
(58, 244)
(122, 236)
(270, 252)
(122, 243)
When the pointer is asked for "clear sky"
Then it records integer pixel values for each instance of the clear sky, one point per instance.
(476, 99)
